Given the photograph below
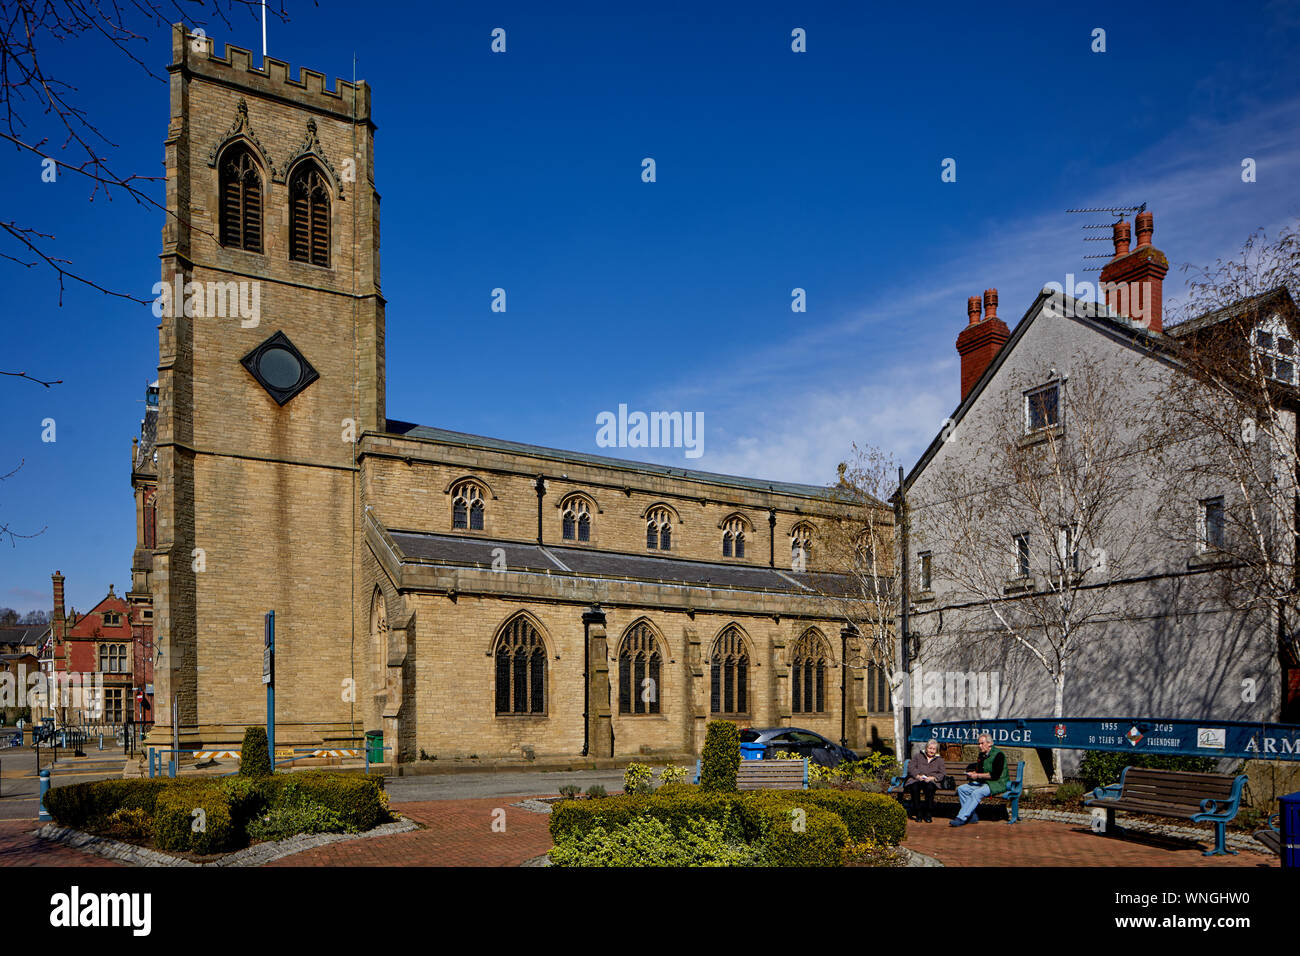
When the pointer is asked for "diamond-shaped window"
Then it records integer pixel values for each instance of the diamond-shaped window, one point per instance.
(279, 368)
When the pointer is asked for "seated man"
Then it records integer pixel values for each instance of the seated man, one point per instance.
(987, 777)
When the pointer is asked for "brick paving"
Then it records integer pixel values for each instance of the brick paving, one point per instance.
(1048, 843)
(458, 833)
(18, 847)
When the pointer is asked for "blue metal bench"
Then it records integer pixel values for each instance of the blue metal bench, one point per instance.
(1198, 797)
(1270, 835)
(1015, 787)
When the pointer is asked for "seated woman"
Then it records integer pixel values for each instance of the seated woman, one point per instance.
(925, 771)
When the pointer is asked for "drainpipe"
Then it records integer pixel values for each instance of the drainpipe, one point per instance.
(771, 537)
(540, 485)
(900, 522)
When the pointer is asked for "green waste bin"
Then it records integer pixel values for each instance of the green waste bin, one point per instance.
(375, 746)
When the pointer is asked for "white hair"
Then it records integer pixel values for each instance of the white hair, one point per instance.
(984, 737)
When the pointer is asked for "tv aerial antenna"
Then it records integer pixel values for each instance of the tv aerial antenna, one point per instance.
(1119, 212)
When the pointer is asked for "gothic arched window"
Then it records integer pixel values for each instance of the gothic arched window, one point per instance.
(801, 547)
(520, 659)
(467, 506)
(639, 665)
(576, 519)
(808, 674)
(733, 538)
(729, 673)
(241, 200)
(659, 530)
(309, 216)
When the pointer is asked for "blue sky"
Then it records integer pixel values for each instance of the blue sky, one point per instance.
(775, 170)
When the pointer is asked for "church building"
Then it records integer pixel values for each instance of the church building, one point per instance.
(466, 596)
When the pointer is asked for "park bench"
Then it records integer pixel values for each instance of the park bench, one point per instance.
(1015, 787)
(1198, 797)
(769, 775)
(1270, 835)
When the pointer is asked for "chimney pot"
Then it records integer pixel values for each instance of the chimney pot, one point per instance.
(1121, 234)
(973, 309)
(1146, 224)
(990, 304)
(981, 340)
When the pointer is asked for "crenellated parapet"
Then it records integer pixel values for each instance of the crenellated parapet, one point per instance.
(195, 55)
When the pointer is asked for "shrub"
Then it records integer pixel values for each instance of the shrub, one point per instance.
(358, 800)
(229, 804)
(1068, 793)
(295, 812)
(255, 754)
(672, 775)
(637, 778)
(1100, 768)
(194, 818)
(595, 792)
(129, 824)
(764, 820)
(817, 838)
(570, 791)
(649, 841)
(720, 762)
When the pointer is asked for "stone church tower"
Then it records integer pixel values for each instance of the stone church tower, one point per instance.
(271, 364)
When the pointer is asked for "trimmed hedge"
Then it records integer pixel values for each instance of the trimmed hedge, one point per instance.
(720, 762)
(830, 819)
(255, 754)
(229, 805)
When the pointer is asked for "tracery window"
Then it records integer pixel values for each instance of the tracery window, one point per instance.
(520, 658)
(467, 506)
(659, 530)
(801, 547)
(729, 673)
(733, 538)
(576, 519)
(808, 674)
(639, 666)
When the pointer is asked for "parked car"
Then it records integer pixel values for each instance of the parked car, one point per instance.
(806, 743)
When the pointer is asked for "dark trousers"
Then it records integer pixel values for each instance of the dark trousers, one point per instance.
(914, 790)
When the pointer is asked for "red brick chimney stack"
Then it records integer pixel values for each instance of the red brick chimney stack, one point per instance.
(981, 340)
(1133, 282)
(57, 578)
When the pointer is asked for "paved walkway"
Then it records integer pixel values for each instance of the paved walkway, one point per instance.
(1047, 843)
(460, 833)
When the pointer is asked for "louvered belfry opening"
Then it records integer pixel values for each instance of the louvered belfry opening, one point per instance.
(309, 218)
(241, 201)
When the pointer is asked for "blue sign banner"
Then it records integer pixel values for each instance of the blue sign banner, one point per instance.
(1148, 735)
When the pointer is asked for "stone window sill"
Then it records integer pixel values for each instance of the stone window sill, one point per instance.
(1040, 435)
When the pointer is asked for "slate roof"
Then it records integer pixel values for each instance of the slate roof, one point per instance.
(409, 430)
(453, 550)
(23, 635)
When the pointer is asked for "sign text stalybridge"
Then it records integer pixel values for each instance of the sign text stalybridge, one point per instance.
(1189, 738)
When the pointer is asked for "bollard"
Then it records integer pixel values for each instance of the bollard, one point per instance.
(101, 740)
(44, 815)
(171, 765)
(150, 763)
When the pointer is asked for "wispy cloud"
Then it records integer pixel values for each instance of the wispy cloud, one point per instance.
(790, 410)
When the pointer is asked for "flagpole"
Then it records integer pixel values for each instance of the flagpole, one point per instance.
(263, 29)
